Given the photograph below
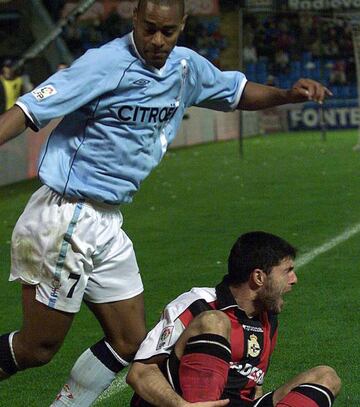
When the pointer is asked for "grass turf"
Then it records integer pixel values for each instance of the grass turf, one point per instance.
(183, 223)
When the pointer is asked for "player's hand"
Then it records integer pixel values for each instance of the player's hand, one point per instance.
(217, 403)
(308, 90)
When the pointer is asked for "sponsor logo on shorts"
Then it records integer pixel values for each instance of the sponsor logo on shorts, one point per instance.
(251, 372)
(165, 337)
(56, 283)
(44, 92)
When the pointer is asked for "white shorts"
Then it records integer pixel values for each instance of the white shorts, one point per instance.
(73, 249)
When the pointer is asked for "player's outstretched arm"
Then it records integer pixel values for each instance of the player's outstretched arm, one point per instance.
(150, 384)
(257, 96)
(12, 123)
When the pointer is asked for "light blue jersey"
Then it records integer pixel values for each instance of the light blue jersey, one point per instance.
(119, 116)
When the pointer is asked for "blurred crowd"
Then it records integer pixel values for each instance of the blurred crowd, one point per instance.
(13, 83)
(280, 48)
(109, 19)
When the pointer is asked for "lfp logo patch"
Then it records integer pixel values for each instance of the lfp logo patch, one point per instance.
(44, 92)
(165, 337)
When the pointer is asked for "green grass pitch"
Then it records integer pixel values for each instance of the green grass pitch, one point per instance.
(183, 222)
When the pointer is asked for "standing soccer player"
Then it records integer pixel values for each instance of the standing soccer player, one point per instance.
(122, 105)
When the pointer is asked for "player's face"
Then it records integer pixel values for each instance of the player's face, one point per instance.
(278, 282)
(156, 31)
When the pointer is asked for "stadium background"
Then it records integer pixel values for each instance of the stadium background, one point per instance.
(297, 177)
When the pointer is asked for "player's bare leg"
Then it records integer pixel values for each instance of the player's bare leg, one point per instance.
(123, 323)
(321, 382)
(40, 337)
(210, 322)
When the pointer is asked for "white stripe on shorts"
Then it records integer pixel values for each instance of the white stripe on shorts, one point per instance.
(62, 254)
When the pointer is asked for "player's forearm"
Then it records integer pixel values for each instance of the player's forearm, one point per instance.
(150, 384)
(257, 97)
(12, 123)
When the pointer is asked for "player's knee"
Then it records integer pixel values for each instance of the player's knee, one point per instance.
(328, 377)
(39, 355)
(127, 345)
(134, 343)
(33, 352)
(215, 322)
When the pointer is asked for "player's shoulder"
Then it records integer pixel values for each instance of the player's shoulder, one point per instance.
(206, 293)
(112, 53)
(184, 301)
(196, 63)
(189, 54)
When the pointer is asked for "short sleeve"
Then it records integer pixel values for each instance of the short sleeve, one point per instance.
(212, 88)
(161, 339)
(89, 77)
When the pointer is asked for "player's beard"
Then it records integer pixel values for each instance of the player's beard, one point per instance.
(270, 298)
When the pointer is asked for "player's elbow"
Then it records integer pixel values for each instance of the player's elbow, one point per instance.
(136, 374)
(132, 375)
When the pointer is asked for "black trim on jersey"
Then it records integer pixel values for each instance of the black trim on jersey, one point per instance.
(144, 360)
(170, 369)
(225, 299)
(29, 123)
(199, 306)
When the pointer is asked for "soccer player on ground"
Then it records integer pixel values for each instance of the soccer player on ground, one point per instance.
(122, 105)
(213, 343)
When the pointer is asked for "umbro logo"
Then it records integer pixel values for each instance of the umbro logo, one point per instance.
(142, 82)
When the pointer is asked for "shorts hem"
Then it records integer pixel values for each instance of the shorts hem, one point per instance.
(19, 279)
(115, 298)
(58, 306)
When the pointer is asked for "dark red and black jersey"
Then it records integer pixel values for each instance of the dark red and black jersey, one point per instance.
(252, 340)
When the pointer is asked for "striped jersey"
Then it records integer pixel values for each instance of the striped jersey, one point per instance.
(252, 340)
(120, 115)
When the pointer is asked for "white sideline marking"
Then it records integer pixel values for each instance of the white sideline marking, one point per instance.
(309, 256)
(119, 384)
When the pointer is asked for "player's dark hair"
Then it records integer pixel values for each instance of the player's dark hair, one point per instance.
(256, 250)
(168, 3)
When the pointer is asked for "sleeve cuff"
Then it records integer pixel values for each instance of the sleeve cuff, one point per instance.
(239, 94)
(29, 120)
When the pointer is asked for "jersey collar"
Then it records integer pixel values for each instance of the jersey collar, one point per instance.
(225, 300)
(137, 53)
